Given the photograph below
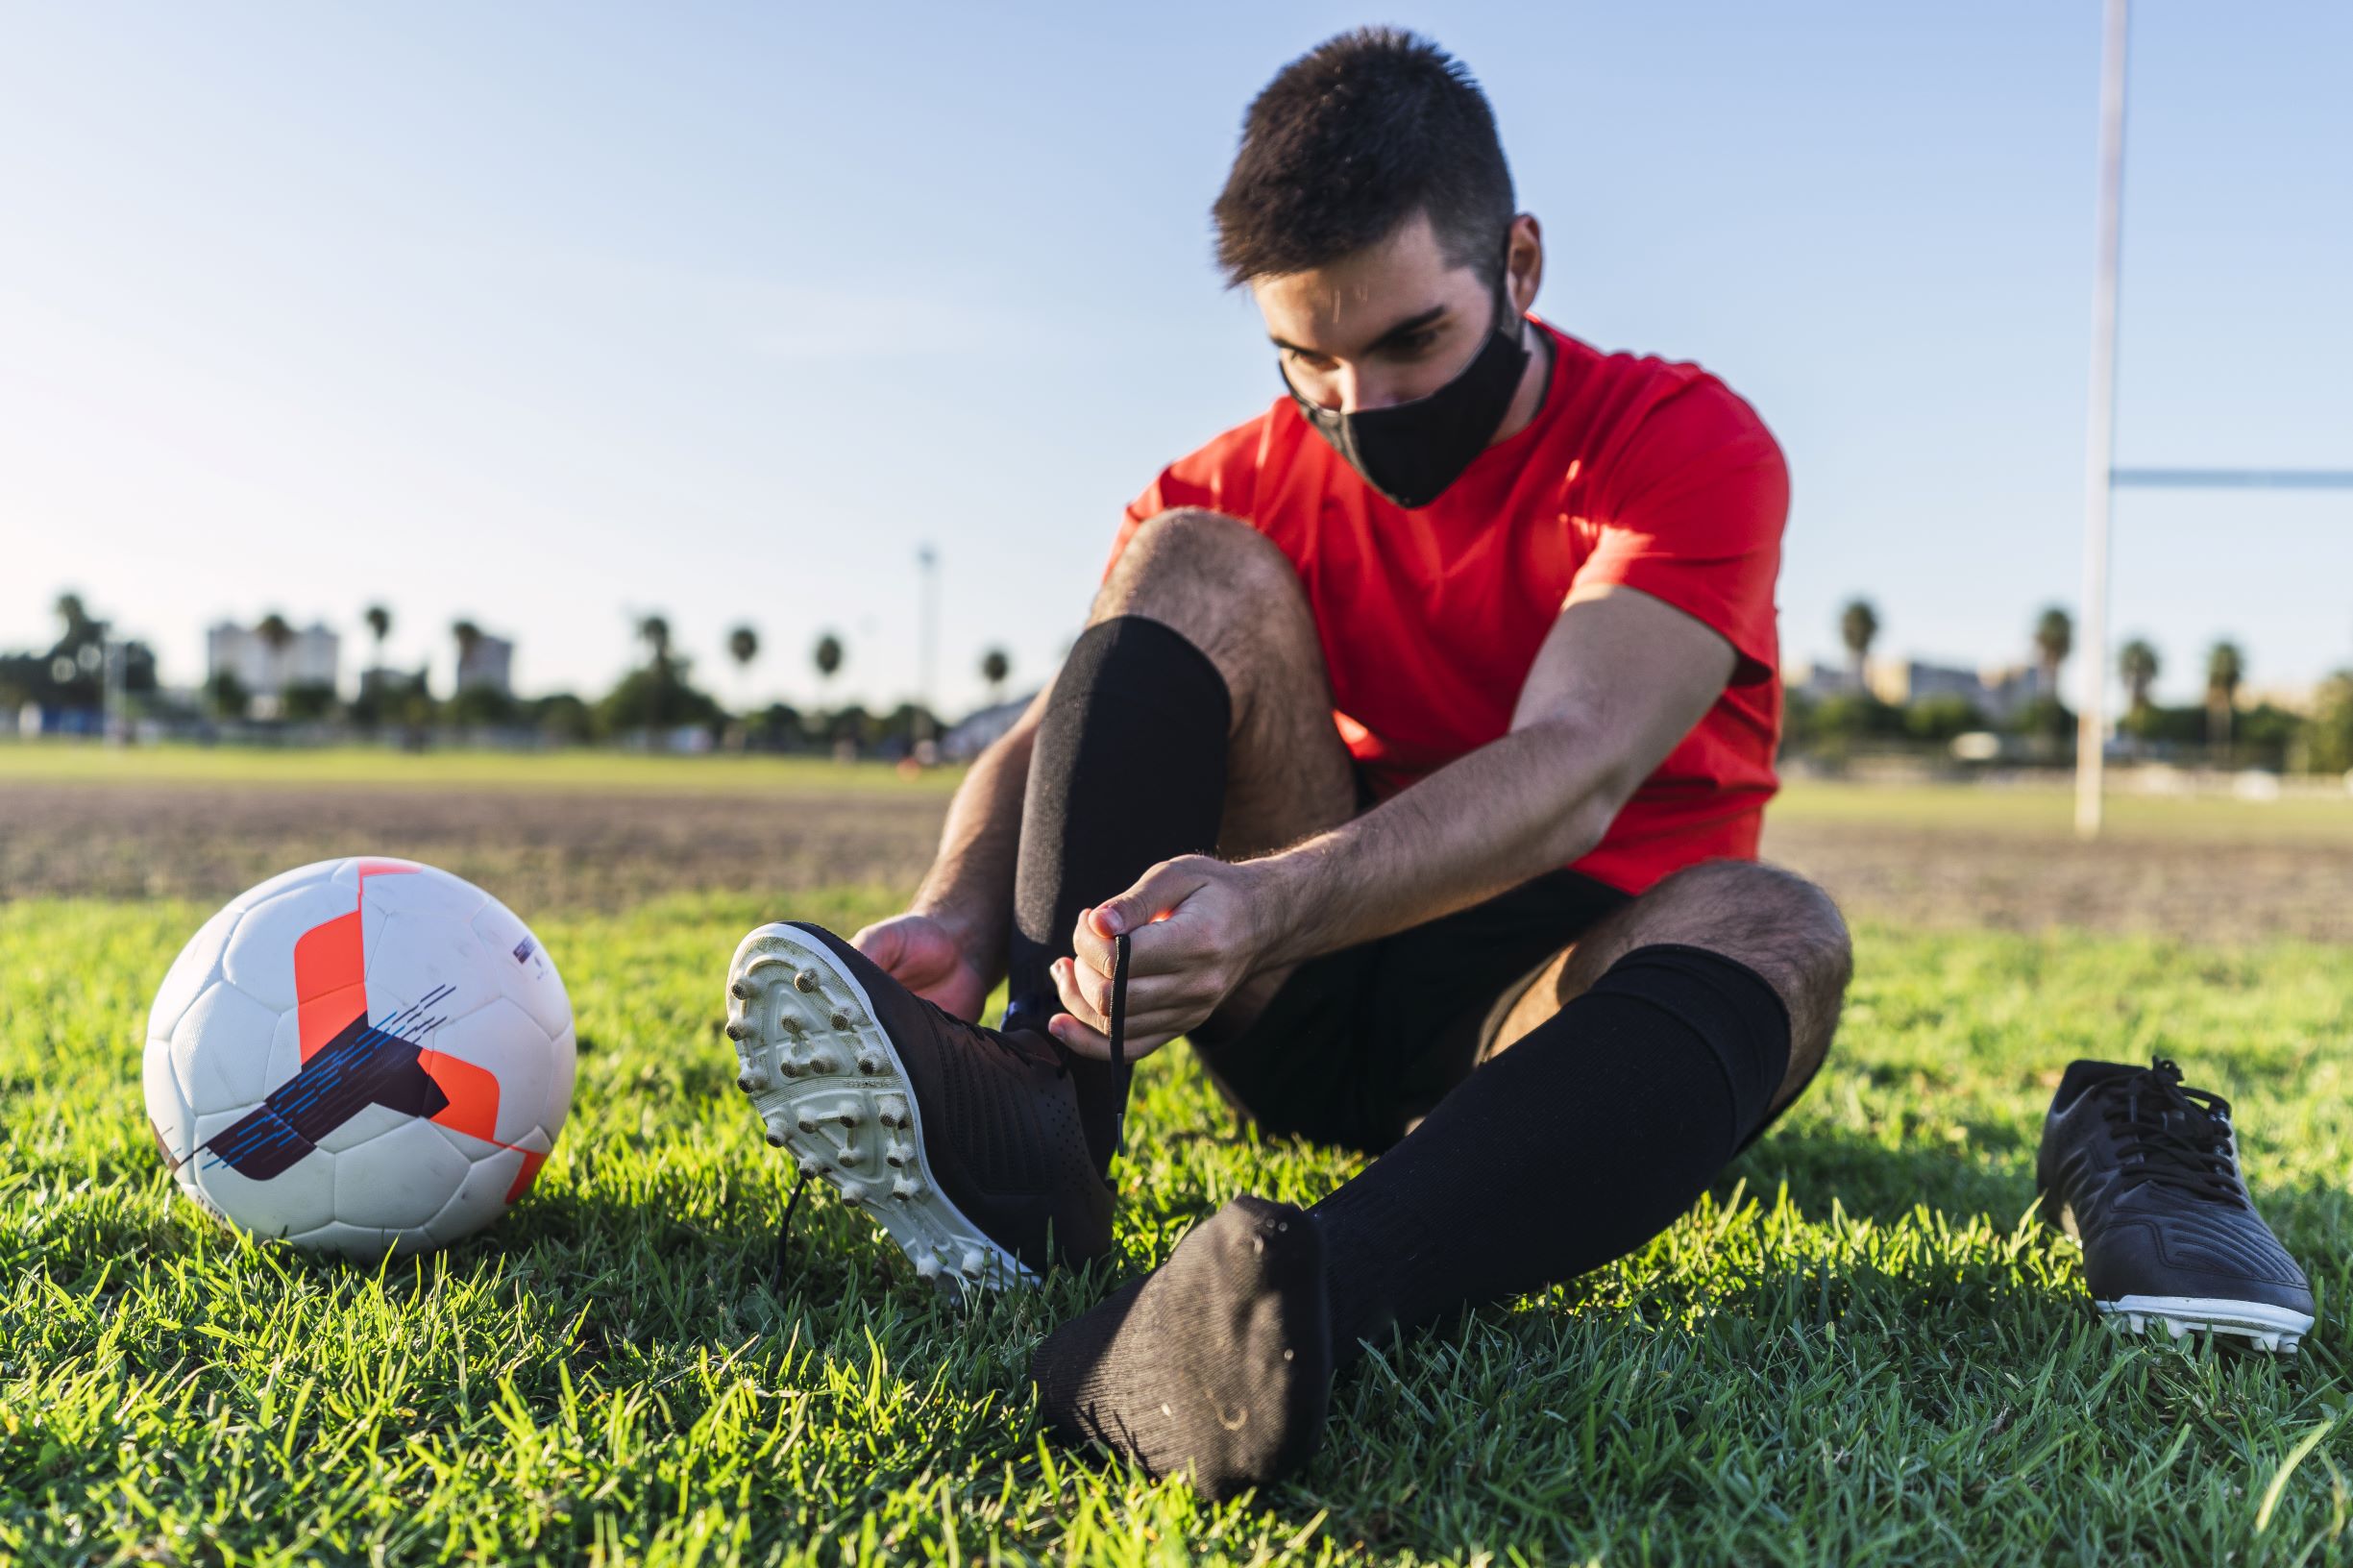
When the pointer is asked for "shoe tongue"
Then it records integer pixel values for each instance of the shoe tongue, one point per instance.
(2082, 1075)
(1033, 1043)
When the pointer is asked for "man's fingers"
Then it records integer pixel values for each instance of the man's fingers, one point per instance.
(1155, 892)
(1089, 994)
(1075, 1000)
(1091, 1044)
(885, 943)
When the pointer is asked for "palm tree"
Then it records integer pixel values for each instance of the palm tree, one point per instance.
(469, 638)
(277, 635)
(828, 655)
(744, 645)
(380, 626)
(2136, 661)
(994, 666)
(75, 614)
(1858, 626)
(653, 630)
(2054, 639)
(2225, 669)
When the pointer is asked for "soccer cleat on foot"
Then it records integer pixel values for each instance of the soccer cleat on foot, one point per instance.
(2144, 1172)
(963, 1142)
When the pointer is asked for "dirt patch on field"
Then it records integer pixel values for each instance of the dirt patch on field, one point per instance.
(603, 850)
(1945, 877)
(535, 852)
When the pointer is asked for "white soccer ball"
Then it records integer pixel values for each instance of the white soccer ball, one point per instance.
(362, 1056)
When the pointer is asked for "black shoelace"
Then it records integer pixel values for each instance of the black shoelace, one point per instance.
(2172, 1135)
(1118, 1061)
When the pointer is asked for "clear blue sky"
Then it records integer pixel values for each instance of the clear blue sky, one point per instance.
(550, 313)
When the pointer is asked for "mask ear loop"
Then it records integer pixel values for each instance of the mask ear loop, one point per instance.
(1118, 1037)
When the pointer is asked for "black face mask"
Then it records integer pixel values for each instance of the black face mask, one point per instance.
(1411, 452)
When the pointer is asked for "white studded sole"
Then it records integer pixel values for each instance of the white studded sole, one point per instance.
(2270, 1327)
(829, 1087)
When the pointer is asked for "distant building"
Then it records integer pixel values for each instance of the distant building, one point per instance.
(1997, 691)
(1818, 680)
(313, 656)
(978, 731)
(489, 663)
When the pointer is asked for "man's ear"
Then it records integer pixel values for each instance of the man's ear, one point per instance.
(1524, 262)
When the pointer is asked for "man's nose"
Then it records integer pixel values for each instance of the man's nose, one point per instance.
(1362, 391)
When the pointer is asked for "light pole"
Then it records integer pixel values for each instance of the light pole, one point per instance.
(927, 561)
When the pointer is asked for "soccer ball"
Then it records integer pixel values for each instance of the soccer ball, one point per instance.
(361, 1056)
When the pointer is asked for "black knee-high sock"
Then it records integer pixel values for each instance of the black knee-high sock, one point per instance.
(1129, 770)
(1572, 1148)
(1585, 1139)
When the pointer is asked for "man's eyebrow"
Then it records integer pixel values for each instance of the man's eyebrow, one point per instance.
(1404, 328)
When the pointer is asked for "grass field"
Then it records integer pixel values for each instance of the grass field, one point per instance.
(385, 767)
(1861, 1348)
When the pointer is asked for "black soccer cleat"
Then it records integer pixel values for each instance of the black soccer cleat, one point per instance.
(963, 1142)
(2144, 1173)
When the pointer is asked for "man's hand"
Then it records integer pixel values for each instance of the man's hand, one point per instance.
(924, 954)
(1194, 927)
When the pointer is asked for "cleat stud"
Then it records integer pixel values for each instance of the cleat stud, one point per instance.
(807, 1126)
(740, 990)
(869, 1066)
(892, 1160)
(738, 1031)
(822, 1063)
(775, 1140)
(974, 1262)
(806, 980)
(840, 1020)
(847, 1156)
(750, 1083)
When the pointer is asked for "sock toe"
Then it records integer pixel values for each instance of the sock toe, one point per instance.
(1216, 1365)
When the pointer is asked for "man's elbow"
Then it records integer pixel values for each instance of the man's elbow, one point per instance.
(1599, 791)
(1578, 831)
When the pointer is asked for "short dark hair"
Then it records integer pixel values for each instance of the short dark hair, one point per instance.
(1348, 143)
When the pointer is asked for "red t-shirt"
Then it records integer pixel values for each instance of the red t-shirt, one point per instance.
(1634, 470)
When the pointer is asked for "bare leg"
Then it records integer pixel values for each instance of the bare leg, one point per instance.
(1233, 594)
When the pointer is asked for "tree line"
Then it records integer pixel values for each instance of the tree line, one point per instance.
(658, 694)
(2218, 729)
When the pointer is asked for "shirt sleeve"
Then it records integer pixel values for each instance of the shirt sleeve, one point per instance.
(1220, 477)
(1692, 512)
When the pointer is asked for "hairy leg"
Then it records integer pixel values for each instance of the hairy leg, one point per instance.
(1774, 922)
(1233, 594)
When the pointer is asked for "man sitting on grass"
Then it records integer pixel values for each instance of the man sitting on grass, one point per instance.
(1411, 763)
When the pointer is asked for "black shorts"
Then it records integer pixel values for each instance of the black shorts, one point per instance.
(1359, 1045)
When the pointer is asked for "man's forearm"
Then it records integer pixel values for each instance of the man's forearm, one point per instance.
(1534, 800)
(970, 886)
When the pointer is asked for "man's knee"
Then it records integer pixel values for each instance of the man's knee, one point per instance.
(1777, 923)
(1215, 579)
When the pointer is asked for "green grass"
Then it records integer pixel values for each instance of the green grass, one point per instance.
(2041, 808)
(1859, 1349)
(2045, 808)
(78, 762)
